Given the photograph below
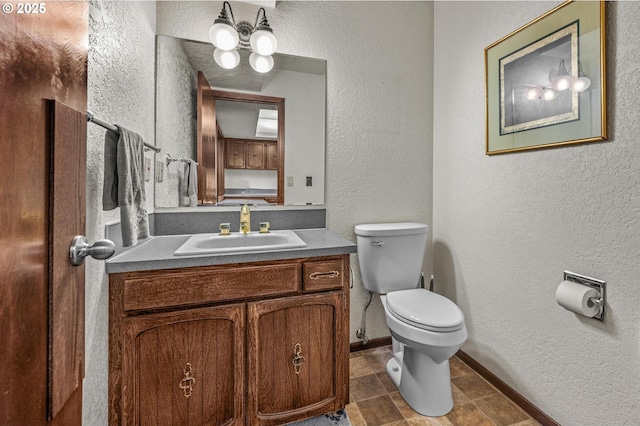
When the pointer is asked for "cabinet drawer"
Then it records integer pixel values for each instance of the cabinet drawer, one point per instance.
(204, 285)
(323, 275)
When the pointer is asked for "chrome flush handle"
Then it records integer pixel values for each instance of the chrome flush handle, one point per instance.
(377, 243)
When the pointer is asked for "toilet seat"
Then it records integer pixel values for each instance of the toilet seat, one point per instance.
(425, 310)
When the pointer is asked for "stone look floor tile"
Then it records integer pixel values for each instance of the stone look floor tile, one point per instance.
(458, 396)
(379, 410)
(366, 387)
(468, 414)
(359, 367)
(429, 421)
(406, 411)
(355, 417)
(416, 418)
(501, 410)
(529, 422)
(386, 382)
(458, 368)
(473, 386)
(375, 401)
(378, 359)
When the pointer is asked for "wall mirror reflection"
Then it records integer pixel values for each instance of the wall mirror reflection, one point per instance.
(256, 138)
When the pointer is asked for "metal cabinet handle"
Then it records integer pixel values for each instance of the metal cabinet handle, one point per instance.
(298, 359)
(186, 384)
(80, 248)
(321, 275)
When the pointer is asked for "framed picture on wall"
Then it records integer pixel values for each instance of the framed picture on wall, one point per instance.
(545, 82)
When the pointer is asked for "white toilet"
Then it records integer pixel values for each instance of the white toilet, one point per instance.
(426, 328)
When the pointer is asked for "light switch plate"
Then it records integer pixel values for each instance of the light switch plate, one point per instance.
(159, 171)
(147, 169)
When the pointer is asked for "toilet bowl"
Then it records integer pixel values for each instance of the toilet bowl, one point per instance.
(426, 328)
(422, 349)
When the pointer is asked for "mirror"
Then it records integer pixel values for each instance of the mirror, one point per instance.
(299, 81)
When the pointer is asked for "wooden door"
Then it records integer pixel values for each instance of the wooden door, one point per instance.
(297, 364)
(42, 165)
(184, 368)
(206, 144)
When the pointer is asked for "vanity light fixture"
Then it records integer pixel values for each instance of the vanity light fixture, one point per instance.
(562, 80)
(227, 36)
(548, 94)
(533, 92)
(582, 82)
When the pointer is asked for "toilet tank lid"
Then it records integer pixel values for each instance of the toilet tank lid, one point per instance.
(387, 229)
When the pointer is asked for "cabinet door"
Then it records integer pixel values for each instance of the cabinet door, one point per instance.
(272, 155)
(297, 358)
(255, 153)
(184, 368)
(234, 155)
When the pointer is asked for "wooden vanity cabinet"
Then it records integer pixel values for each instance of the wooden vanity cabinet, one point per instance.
(246, 344)
(296, 356)
(184, 368)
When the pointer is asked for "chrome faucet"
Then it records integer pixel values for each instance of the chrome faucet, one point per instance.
(245, 219)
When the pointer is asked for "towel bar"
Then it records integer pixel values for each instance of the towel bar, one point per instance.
(93, 119)
(171, 159)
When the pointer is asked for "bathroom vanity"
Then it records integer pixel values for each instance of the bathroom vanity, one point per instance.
(251, 339)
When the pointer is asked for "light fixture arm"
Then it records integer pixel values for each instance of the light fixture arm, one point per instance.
(581, 72)
(262, 24)
(561, 68)
(224, 16)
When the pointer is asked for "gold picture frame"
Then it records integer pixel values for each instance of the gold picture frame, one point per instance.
(546, 81)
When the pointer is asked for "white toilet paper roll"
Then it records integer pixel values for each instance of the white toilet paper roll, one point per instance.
(575, 297)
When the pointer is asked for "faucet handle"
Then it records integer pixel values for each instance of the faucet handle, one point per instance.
(264, 227)
(225, 228)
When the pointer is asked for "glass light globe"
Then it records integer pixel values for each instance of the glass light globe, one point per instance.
(224, 36)
(261, 63)
(580, 84)
(227, 59)
(533, 92)
(561, 82)
(549, 94)
(263, 42)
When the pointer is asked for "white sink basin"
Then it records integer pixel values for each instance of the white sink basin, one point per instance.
(239, 243)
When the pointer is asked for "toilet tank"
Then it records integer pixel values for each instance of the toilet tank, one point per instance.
(391, 255)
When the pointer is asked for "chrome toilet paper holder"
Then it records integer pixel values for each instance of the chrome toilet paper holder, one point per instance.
(599, 285)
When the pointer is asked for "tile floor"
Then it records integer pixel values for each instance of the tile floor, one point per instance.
(375, 401)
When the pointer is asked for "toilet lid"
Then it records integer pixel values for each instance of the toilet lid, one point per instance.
(425, 309)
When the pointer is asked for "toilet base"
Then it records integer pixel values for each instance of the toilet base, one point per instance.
(423, 384)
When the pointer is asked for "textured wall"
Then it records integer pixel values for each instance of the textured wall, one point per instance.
(505, 227)
(121, 91)
(379, 107)
(176, 118)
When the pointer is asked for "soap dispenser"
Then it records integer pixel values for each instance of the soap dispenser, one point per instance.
(245, 219)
